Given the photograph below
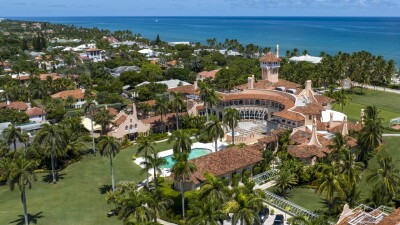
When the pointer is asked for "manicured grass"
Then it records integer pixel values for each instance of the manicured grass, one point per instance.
(386, 102)
(392, 147)
(77, 198)
(306, 198)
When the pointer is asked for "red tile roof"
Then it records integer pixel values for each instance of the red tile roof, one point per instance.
(226, 161)
(323, 99)
(15, 105)
(54, 76)
(112, 111)
(77, 93)
(265, 84)
(289, 115)
(305, 151)
(118, 121)
(208, 74)
(392, 219)
(186, 89)
(267, 139)
(288, 103)
(22, 77)
(35, 111)
(149, 102)
(155, 121)
(270, 57)
(310, 109)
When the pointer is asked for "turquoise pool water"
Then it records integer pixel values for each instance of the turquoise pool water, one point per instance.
(196, 152)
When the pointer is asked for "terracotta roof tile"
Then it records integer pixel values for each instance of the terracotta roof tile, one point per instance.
(350, 126)
(149, 102)
(288, 103)
(226, 161)
(15, 105)
(267, 139)
(54, 76)
(323, 99)
(35, 111)
(118, 121)
(208, 74)
(155, 121)
(310, 109)
(270, 57)
(112, 111)
(289, 115)
(22, 77)
(77, 93)
(266, 85)
(305, 151)
(392, 219)
(186, 89)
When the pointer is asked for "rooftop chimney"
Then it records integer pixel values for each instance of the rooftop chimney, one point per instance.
(250, 82)
(314, 138)
(330, 120)
(277, 51)
(134, 112)
(345, 130)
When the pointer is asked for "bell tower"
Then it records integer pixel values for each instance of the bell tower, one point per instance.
(270, 64)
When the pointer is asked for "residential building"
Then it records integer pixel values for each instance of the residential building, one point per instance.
(78, 95)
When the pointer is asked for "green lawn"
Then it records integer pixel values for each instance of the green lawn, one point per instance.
(392, 147)
(387, 103)
(305, 197)
(78, 198)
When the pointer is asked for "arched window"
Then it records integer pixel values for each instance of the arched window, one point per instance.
(131, 127)
(126, 127)
(135, 125)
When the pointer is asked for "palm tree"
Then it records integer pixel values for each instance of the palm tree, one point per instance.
(153, 161)
(330, 182)
(177, 104)
(349, 166)
(161, 108)
(146, 146)
(104, 119)
(208, 96)
(182, 170)
(206, 213)
(133, 208)
(90, 108)
(12, 134)
(183, 142)
(215, 130)
(214, 190)
(341, 98)
(244, 206)
(21, 174)
(231, 118)
(387, 175)
(157, 203)
(109, 146)
(70, 102)
(285, 181)
(371, 133)
(51, 139)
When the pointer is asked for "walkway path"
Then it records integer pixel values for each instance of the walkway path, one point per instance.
(391, 135)
(378, 88)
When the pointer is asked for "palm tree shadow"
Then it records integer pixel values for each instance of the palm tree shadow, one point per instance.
(103, 189)
(49, 177)
(33, 219)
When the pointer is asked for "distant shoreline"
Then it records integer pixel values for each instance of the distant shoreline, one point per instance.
(377, 35)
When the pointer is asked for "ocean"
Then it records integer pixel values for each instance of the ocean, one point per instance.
(380, 36)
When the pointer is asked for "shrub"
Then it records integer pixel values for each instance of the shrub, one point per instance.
(256, 170)
(235, 179)
(272, 211)
(246, 175)
(134, 157)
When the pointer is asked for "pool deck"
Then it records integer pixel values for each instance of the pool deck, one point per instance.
(166, 171)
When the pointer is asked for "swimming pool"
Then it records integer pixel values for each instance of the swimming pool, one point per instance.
(196, 152)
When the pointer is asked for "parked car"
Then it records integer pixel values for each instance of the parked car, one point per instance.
(279, 219)
(262, 215)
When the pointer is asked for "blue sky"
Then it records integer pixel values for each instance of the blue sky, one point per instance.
(9, 8)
